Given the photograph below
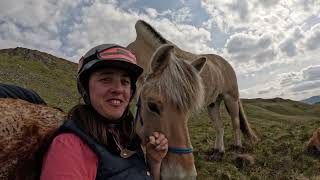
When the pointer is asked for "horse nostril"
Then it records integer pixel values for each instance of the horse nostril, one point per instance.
(153, 107)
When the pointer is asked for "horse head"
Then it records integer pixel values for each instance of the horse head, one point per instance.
(170, 90)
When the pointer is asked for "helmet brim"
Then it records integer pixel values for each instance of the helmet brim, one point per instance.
(134, 70)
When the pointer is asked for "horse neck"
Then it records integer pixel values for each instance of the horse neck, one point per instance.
(178, 166)
(179, 136)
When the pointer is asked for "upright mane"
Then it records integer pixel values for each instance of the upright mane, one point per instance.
(181, 85)
(149, 34)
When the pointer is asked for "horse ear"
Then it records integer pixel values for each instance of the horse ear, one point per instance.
(161, 58)
(199, 63)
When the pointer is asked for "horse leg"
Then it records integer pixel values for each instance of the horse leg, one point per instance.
(232, 107)
(214, 115)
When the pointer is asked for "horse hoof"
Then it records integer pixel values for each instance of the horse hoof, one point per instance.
(216, 155)
(236, 148)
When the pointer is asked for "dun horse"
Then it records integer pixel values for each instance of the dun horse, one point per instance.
(169, 90)
(219, 81)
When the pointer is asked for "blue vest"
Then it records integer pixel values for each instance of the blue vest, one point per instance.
(111, 166)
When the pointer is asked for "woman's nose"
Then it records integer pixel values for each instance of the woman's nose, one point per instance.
(117, 86)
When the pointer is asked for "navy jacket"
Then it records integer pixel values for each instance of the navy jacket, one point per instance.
(111, 166)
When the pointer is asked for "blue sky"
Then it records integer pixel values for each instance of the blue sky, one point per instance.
(273, 45)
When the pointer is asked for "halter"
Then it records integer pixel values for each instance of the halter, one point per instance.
(176, 150)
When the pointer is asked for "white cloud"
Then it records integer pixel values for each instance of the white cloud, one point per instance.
(245, 47)
(273, 44)
(306, 86)
(187, 37)
(287, 79)
(267, 90)
(288, 46)
(311, 73)
(182, 15)
(312, 40)
(152, 12)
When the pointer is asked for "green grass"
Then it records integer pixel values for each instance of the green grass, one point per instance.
(54, 82)
(283, 126)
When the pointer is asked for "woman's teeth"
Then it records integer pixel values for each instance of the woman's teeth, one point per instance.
(115, 102)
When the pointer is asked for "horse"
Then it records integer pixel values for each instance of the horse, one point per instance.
(24, 128)
(169, 91)
(219, 84)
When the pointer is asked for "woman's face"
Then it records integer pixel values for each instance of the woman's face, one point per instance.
(110, 92)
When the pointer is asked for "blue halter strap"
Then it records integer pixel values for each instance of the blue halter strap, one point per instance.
(180, 150)
(175, 150)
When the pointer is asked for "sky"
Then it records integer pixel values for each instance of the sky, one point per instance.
(273, 45)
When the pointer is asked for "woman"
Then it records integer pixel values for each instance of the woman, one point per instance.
(99, 140)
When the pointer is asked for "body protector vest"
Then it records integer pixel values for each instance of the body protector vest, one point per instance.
(111, 166)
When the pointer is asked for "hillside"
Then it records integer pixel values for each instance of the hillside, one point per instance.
(283, 126)
(53, 78)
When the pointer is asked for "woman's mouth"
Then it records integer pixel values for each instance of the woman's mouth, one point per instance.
(115, 102)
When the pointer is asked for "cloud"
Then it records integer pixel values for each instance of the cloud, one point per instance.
(304, 80)
(268, 3)
(69, 28)
(288, 47)
(152, 12)
(244, 47)
(287, 79)
(306, 86)
(182, 15)
(311, 73)
(271, 43)
(187, 37)
(312, 40)
(266, 91)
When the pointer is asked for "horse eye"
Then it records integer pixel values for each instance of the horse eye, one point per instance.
(153, 107)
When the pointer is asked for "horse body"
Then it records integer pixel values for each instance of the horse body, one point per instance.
(218, 81)
(24, 127)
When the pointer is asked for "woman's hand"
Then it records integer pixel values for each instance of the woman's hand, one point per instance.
(158, 149)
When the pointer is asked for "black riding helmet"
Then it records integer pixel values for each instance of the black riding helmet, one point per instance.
(106, 55)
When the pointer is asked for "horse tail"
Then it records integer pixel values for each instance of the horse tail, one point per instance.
(245, 126)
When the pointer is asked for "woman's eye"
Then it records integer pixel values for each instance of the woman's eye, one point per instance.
(105, 79)
(126, 82)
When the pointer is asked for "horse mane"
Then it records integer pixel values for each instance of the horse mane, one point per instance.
(149, 34)
(182, 85)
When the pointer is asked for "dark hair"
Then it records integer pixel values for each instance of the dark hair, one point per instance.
(92, 123)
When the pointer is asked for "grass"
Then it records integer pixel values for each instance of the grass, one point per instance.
(283, 126)
(54, 82)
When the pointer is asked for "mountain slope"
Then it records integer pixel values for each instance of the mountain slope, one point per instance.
(53, 78)
(312, 100)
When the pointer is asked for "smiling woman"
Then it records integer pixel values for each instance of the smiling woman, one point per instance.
(98, 141)
(110, 92)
